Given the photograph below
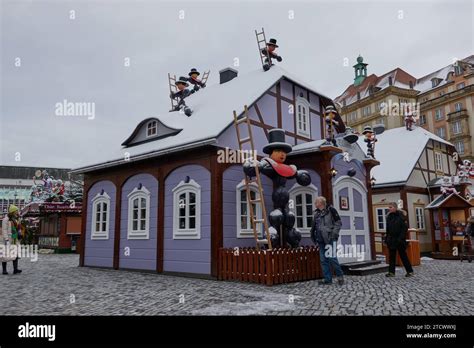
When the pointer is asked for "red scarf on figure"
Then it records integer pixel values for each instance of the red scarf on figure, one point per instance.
(284, 170)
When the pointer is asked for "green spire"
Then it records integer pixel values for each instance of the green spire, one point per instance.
(360, 70)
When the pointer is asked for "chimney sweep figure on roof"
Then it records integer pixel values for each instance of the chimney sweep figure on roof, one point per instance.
(370, 139)
(279, 172)
(193, 79)
(270, 54)
(182, 93)
(409, 118)
(329, 117)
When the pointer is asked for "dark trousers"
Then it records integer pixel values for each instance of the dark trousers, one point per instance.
(403, 256)
(15, 265)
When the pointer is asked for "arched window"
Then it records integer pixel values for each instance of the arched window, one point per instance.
(302, 117)
(302, 204)
(151, 129)
(139, 213)
(100, 216)
(244, 224)
(187, 210)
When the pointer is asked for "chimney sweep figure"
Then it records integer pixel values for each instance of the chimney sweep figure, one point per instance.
(274, 168)
(330, 115)
(409, 118)
(182, 93)
(270, 54)
(193, 79)
(370, 139)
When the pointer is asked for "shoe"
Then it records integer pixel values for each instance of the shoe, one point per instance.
(4, 272)
(17, 271)
(390, 274)
(409, 274)
(324, 282)
(340, 280)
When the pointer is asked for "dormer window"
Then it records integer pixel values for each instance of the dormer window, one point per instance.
(435, 81)
(302, 117)
(151, 128)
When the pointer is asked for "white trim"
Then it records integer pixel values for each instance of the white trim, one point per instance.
(295, 190)
(100, 198)
(246, 233)
(304, 104)
(187, 233)
(350, 179)
(420, 223)
(384, 218)
(137, 194)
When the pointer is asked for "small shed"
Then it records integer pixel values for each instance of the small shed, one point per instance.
(448, 216)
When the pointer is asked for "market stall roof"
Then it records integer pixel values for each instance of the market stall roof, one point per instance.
(212, 114)
(452, 201)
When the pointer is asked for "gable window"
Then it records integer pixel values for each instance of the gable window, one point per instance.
(438, 115)
(457, 129)
(438, 162)
(366, 111)
(420, 217)
(244, 223)
(100, 216)
(441, 132)
(302, 117)
(187, 210)
(151, 129)
(139, 213)
(458, 106)
(459, 147)
(303, 198)
(381, 215)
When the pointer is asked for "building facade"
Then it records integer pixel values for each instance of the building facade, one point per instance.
(176, 198)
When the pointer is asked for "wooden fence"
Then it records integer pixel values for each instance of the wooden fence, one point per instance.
(269, 267)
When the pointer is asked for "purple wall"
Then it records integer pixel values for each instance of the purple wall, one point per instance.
(316, 132)
(231, 178)
(342, 168)
(100, 252)
(314, 102)
(188, 255)
(142, 251)
(286, 89)
(268, 108)
(288, 119)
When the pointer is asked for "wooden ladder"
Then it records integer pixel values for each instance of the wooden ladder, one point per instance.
(205, 76)
(261, 39)
(173, 89)
(248, 181)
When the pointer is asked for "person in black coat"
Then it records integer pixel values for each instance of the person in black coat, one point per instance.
(396, 240)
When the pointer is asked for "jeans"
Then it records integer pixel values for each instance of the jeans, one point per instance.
(326, 262)
(403, 256)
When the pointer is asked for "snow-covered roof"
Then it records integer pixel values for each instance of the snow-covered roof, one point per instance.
(398, 150)
(212, 113)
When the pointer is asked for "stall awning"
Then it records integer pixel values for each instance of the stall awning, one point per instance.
(451, 201)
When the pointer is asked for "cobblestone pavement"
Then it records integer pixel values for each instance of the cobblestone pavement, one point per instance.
(54, 285)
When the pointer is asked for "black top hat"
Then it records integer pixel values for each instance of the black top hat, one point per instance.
(276, 140)
(329, 109)
(194, 71)
(367, 129)
(272, 42)
(182, 80)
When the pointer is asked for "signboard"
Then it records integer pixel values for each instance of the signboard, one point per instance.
(61, 207)
(48, 241)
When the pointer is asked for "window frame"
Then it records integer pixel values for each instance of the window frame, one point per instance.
(461, 152)
(440, 117)
(438, 157)
(384, 209)
(247, 233)
(303, 105)
(186, 188)
(139, 194)
(100, 198)
(457, 127)
(155, 127)
(456, 106)
(295, 190)
(420, 207)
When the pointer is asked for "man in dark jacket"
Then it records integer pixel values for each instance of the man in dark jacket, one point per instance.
(325, 233)
(396, 240)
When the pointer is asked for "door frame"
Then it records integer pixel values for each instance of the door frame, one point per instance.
(353, 183)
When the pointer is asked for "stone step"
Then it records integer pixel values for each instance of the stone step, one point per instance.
(362, 271)
(359, 264)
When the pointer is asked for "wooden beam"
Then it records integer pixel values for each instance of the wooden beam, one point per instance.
(118, 207)
(403, 196)
(368, 168)
(82, 245)
(259, 114)
(278, 96)
(217, 212)
(160, 233)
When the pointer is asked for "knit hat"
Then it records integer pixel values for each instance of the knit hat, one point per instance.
(12, 209)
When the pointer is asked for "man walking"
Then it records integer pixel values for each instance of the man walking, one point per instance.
(325, 233)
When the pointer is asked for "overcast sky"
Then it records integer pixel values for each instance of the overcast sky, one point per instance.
(82, 59)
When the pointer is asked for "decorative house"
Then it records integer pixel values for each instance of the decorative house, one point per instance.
(174, 194)
(413, 165)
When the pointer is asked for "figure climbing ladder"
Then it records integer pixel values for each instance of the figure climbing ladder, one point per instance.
(257, 180)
